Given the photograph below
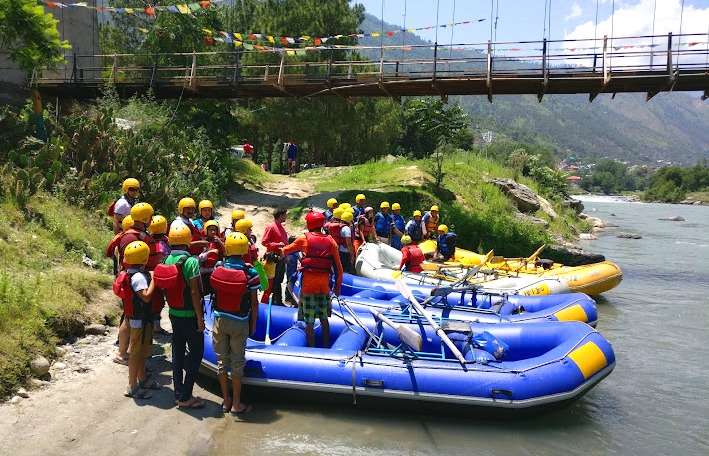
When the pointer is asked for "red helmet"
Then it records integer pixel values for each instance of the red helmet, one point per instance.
(314, 220)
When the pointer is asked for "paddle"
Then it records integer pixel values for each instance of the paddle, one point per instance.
(533, 257)
(406, 292)
(267, 340)
(407, 335)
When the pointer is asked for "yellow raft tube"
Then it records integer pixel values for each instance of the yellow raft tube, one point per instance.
(592, 279)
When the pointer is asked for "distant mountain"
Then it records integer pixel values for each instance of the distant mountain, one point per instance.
(672, 126)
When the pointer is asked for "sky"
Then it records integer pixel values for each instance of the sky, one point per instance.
(524, 19)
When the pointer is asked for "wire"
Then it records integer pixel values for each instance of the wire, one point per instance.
(450, 54)
(381, 35)
(544, 32)
(679, 43)
(403, 33)
(438, 7)
(652, 40)
(595, 28)
(549, 28)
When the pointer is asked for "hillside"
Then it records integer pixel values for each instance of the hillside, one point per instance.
(673, 126)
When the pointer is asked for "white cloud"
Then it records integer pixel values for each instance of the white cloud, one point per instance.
(576, 11)
(634, 19)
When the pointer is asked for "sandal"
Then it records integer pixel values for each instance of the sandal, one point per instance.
(120, 360)
(193, 403)
(137, 393)
(150, 384)
(246, 409)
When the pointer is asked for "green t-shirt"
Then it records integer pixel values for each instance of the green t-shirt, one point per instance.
(190, 270)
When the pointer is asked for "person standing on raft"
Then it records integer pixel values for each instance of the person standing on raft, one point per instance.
(320, 254)
(411, 256)
(274, 238)
(235, 284)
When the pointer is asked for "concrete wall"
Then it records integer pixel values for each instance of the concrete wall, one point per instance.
(79, 26)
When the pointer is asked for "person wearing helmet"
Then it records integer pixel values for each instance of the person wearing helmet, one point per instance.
(331, 206)
(383, 223)
(340, 229)
(120, 208)
(179, 278)
(360, 205)
(186, 210)
(431, 220)
(445, 244)
(141, 214)
(159, 250)
(236, 215)
(411, 255)
(214, 253)
(397, 227)
(245, 226)
(135, 287)
(235, 308)
(415, 228)
(365, 231)
(205, 211)
(320, 257)
(274, 239)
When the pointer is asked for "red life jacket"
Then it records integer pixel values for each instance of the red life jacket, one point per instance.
(416, 258)
(170, 280)
(196, 236)
(230, 291)
(366, 228)
(252, 255)
(158, 252)
(113, 245)
(157, 302)
(213, 258)
(335, 230)
(126, 238)
(133, 306)
(317, 256)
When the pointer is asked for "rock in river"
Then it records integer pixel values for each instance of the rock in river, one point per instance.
(39, 366)
(629, 236)
(676, 218)
(522, 196)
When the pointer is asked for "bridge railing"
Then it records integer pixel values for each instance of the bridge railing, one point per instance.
(600, 57)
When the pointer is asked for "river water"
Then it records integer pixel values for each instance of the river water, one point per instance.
(655, 402)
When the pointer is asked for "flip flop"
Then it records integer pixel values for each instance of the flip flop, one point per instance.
(245, 410)
(194, 403)
(137, 393)
(150, 384)
(120, 360)
(226, 409)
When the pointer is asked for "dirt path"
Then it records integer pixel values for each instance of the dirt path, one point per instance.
(83, 411)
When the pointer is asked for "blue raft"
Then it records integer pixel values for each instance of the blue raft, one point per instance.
(543, 363)
(469, 305)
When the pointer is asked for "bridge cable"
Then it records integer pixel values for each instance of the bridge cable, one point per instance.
(679, 43)
(652, 39)
(403, 34)
(549, 28)
(610, 60)
(595, 29)
(438, 6)
(497, 17)
(381, 35)
(450, 53)
(544, 32)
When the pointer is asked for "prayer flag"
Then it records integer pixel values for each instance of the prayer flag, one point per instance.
(184, 9)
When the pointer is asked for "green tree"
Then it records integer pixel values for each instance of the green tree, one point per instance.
(429, 122)
(30, 35)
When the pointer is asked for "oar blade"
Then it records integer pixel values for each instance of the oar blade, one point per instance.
(410, 337)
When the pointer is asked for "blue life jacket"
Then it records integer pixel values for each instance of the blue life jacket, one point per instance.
(415, 230)
(446, 244)
(400, 224)
(328, 215)
(382, 223)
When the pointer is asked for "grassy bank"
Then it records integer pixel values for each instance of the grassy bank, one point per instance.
(45, 291)
(479, 212)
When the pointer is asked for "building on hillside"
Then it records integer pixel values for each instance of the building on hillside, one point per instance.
(79, 26)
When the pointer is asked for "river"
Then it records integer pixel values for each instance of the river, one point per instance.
(655, 402)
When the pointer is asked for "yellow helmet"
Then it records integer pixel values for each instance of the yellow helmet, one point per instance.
(347, 216)
(345, 206)
(337, 213)
(137, 252)
(180, 234)
(237, 214)
(236, 244)
(205, 204)
(332, 202)
(129, 183)
(417, 213)
(185, 203)
(360, 197)
(211, 223)
(434, 208)
(142, 212)
(443, 228)
(396, 207)
(158, 225)
(384, 205)
(406, 239)
(127, 223)
(244, 225)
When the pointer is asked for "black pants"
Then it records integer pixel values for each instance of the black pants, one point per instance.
(277, 291)
(346, 262)
(185, 366)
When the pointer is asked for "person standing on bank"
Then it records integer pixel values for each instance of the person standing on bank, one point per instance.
(274, 239)
(179, 279)
(235, 305)
(320, 254)
(122, 206)
(292, 154)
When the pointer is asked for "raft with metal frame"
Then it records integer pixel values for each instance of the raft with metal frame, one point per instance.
(592, 279)
(532, 365)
